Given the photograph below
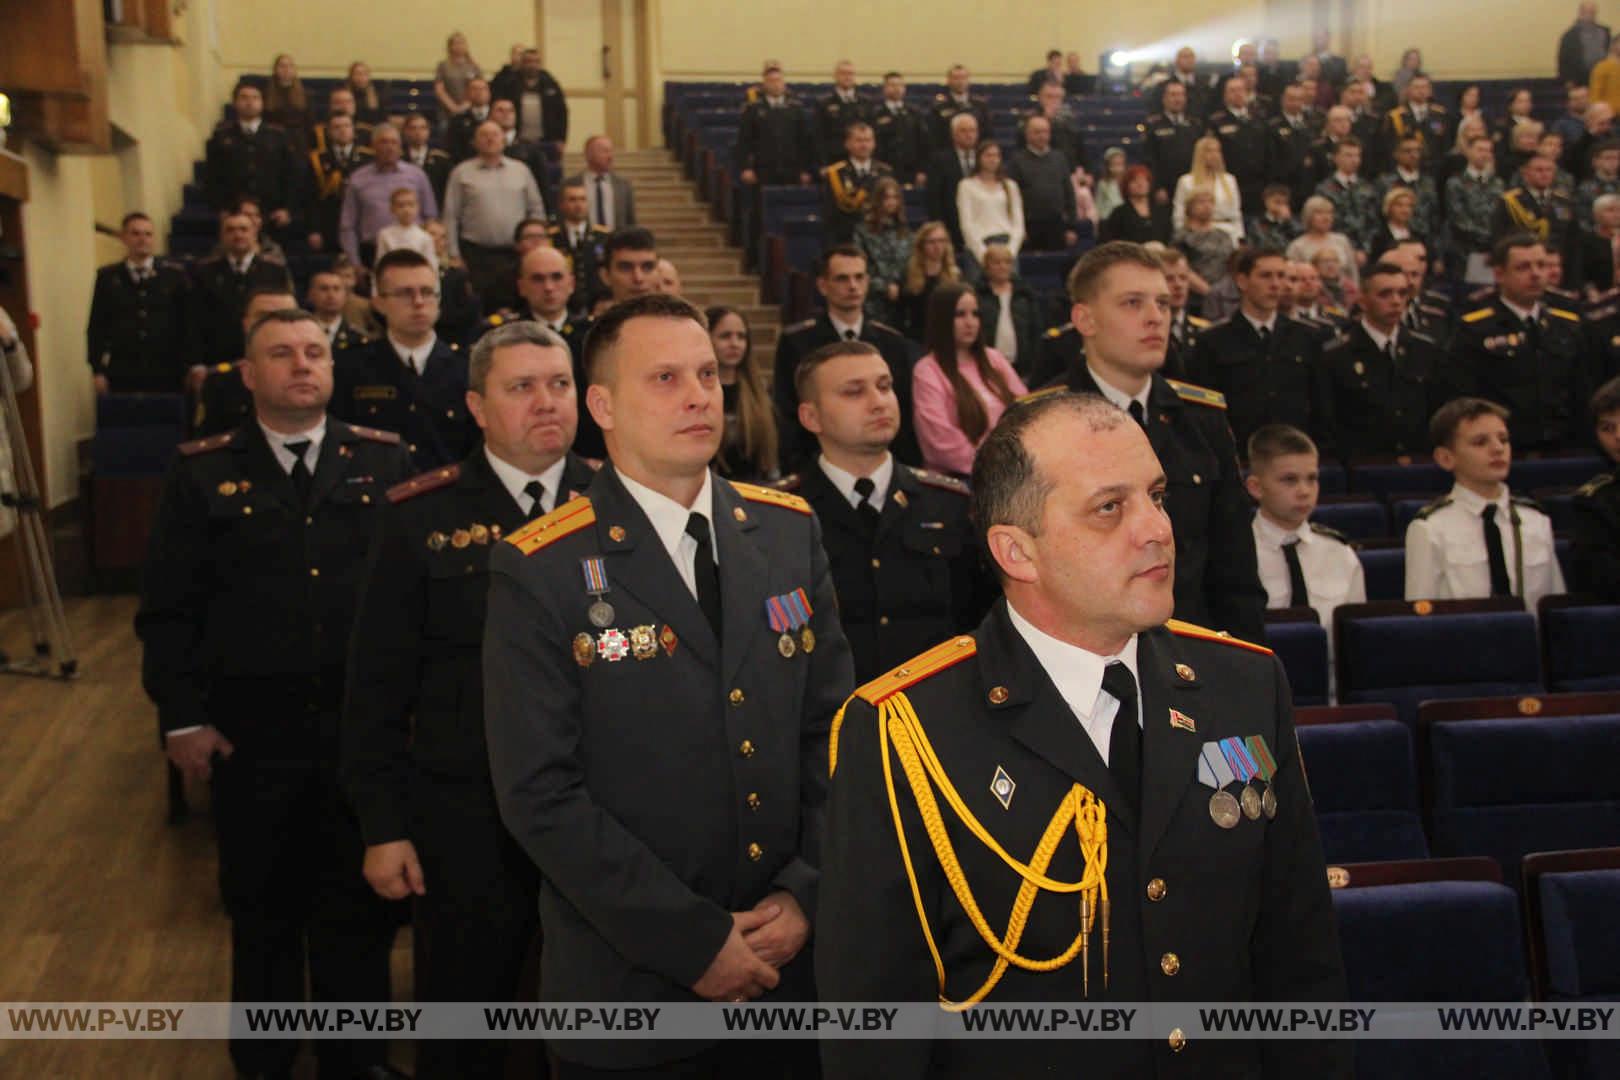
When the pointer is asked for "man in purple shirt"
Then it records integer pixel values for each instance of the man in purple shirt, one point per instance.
(365, 204)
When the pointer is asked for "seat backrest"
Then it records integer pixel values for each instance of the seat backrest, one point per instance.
(1570, 901)
(1581, 644)
(1384, 478)
(1302, 646)
(1528, 474)
(1364, 786)
(1358, 518)
(1383, 570)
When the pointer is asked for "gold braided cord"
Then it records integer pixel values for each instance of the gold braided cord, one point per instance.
(898, 722)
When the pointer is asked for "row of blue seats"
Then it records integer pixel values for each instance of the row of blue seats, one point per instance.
(1366, 517)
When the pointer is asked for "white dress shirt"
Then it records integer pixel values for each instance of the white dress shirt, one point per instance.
(844, 481)
(416, 359)
(1005, 338)
(285, 458)
(668, 519)
(844, 329)
(606, 191)
(1446, 557)
(1269, 325)
(514, 480)
(1119, 397)
(1380, 339)
(1078, 675)
(1333, 574)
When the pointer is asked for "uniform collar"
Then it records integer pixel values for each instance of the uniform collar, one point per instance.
(668, 517)
(1118, 396)
(147, 265)
(1520, 313)
(1378, 339)
(1077, 673)
(840, 327)
(417, 358)
(1474, 504)
(1273, 533)
(1269, 325)
(514, 479)
(844, 481)
(284, 457)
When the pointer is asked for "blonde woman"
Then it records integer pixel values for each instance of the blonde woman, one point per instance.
(989, 206)
(1209, 174)
(1318, 219)
(932, 263)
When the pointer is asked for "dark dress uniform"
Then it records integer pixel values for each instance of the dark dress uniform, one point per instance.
(1183, 344)
(799, 341)
(902, 139)
(943, 110)
(915, 581)
(1538, 372)
(414, 759)
(223, 404)
(660, 775)
(260, 165)
(1551, 218)
(328, 181)
(137, 334)
(427, 411)
(1246, 148)
(1217, 581)
(1270, 381)
(944, 173)
(219, 295)
(246, 603)
(833, 117)
(437, 164)
(1433, 129)
(777, 143)
(1603, 337)
(1376, 404)
(1197, 913)
(459, 136)
(586, 256)
(587, 437)
(1061, 351)
(1167, 148)
(1595, 530)
(846, 196)
(460, 313)
(1291, 157)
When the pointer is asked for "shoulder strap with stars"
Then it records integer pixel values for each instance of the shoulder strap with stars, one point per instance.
(1220, 637)
(565, 520)
(940, 481)
(423, 483)
(1198, 395)
(771, 496)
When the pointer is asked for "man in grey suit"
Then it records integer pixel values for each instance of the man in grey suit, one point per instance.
(612, 200)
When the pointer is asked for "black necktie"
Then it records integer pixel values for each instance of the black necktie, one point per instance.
(536, 491)
(1138, 413)
(705, 572)
(601, 201)
(849, 335)
(1265, 338)
(1500, 585)
(1298, 594)
(302, 480)
(1532, 333)
(1125, 740)
(869, 513)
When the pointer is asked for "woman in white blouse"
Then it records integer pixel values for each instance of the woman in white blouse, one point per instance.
(1209, 171)
(989, 206)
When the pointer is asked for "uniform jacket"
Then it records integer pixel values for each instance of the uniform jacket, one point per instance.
(1246, 146)
(437, 165)
(218, 295)
(776, 143)
(137, 330)
(902, 139)
(1167, 148)
(833, 116)
(428, 411)
(1198, 912)
(943, 109)
(1275, 384)
(1543, 383)
(1595, 529)
(415, 702)
(1373, 406)
(800, 340)
(240, 164)
(660, 779)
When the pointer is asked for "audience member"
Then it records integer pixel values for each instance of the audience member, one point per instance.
(668, 280)
(1355, 202)
(286, 104)
(1244, 143)
(1170, 139)
(902, 132)
(250, 157)
(434, 163)
(1208, 174)
(531, 155)
(1600, 247)
(219, 289)
(1595, 510)
(1196, 87)
(581, 239)
(957, 99)
(1582, 46)
(327, 298)
(836, 112)
(486, 198)
(774, 140)
(847, 184)
(406, 233)
(330, 170)
(464, 124)
(137, 337)
(1110, 185)
(1411, 171)
(1009, 311)
(1399, 223)
(1065, 134)
(1538, 207)
(222, 402)
(749, 448)
(460, 310)
(1208, 247)
(609, 197)
(989, 207)
(1140, 218)
(885, 238)
(1605, 78)
(949, 166)
(367, 201)
(1276, 228)
(369, 99)
(1319, 217)
(339, 102)
(960, 386)
(451, 77)
(932, 263)
(629, 264)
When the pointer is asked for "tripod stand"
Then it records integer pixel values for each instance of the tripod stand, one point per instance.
(53, 651)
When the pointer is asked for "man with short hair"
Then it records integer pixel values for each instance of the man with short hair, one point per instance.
(1421, 118)
(366, 200)
(246, 601)
(408, 381)
(611, 202)
(1582, 46)
(1062, 130)
(1381, 381)
(1292, 131)
(486, 198)
(837, 111)
(329, 171)
(1044, 175)
(1184, 73)
(1538, 207)
(903, 556)
(843, 281)
(1051, 73)
(340, 102)
(846, 184)
(1121, 309)
(434, 163)
(136, 339)
(1524, 354)
(328, 298)
(1471, 199)
(1150, 879)
(537, 97)
(1245, 144)
(464, 125)
(902, 132)
(581, 239)
(775, 142)
(219, 289)
(948, 168)
(1356, 212)
(223, 402)
(1408, 171)
(246, 156)
(1185, 328)
(529, 154)
(413, 753)
(959, 98)
(1571, 123)
(683, 864)
(630, 264)
(1168, 139)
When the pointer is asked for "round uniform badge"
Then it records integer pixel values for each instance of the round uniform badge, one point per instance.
(1250, 801)
(807, 640)
(584, 650)
(785, 646)
(1268, 802)
(480, 534)
(1223, 810)
(600, 614)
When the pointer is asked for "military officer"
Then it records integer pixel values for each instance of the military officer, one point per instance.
(1471, 199)
(958, 98)
(1292, 133)
(582, 240)
(414, 759)
(223, 403)
(843, 281)
(136, 337)
(409, 382)
(328, 299)
(329, 171)
(219, 289)
(1264, 362)
(903, 556)
(246, 601)
(1168, 139)
(246, 156)
(430, 159)
(846, 185)
(837, 111)
(1060, 351)
(1428, 310)
(1408, 172)
(1595, 511)
(1183, 880)
(1524, 354)
(1185, 328)
(1539, 208)
(1419, 118)
(902, 132)
(1318, 164)
(1245, 144)
(774, 140)
(667, 601)
(1356, 211)
(1380, 379)
(1122, 310)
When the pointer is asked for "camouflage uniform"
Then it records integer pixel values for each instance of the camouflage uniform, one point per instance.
(1586, 192)
(1426, 217)
(1355, 209)
(1469, 205)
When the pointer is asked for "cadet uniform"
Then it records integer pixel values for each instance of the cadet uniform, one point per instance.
(1185, 330)
(1266, 233)
(137, 332)
(846, 197)
(459, 309)
(223, 404)
(587, 436)
(1550, 218)
(1449, 551)
(945, 108)
(902, 138)
(799, 341)
(1537, 370)
(1433, 129)
(1204, 904)
(1355, 209)
(328, 181)
(1426, 212)
(775, 141)
(1167, 148)
(907, 577)
(661, 774)
(1291, 156)
(427, 409)
(583, 244)
(834, 114)
(1377, 398)
(219, 295)
(260, 165)
(1209, 510)
(1267, 377)
(1328, 567)
(1595, 529)
(1245, 146)
(245, 611)
(1586, 193)
(414, 759)
(1318, 164)
(1470, 203)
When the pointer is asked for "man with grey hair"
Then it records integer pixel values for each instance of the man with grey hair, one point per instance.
(948, 168)
(246, 602)
(414, 760)
(1146, 844)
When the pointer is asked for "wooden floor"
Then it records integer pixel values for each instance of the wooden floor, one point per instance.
(101, 899)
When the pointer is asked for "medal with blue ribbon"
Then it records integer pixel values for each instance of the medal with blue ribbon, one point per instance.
(787, 613)
(1237, 755)
(1223, 807)
(596, 585)
(1268, 769)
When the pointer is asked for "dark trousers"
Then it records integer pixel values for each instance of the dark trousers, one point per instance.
(492, 272)
(479, 916)
(289, 870)
(1045, 235)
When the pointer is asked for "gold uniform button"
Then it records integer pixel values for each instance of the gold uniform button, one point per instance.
(754, 852)
(314, 571)
(745, 748)
(309, 521)
(1155, 889)
(736, 696)
(1170, 963)
(876, 563)
(883, 620)
(1177, 1040)
(753, 800)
